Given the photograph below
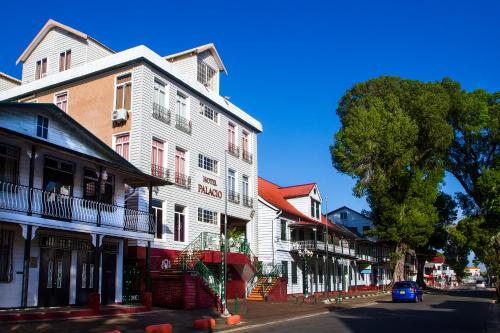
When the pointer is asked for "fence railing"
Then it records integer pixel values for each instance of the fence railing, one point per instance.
(233, 196)
(233, 149)
(160, 172)
(183, 124)
(247, 156)
(52, 205)
(161, 113)
(247, 201)
(182, 180)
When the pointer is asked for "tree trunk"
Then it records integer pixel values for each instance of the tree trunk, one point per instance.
(399, 263)
(420, 270)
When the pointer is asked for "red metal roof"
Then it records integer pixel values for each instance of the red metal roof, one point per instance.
(276, 195)
(438, 260)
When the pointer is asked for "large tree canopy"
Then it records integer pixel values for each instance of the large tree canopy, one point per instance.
(393, 141)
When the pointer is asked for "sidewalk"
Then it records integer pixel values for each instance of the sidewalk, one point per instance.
(251, 313)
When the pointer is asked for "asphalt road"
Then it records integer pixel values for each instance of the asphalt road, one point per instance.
(454, 311)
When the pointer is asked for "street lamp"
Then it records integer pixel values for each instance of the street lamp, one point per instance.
(305, 254)
(224, 256)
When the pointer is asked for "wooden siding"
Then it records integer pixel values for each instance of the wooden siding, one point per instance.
(6, 84)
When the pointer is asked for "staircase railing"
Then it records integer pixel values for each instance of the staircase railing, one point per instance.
(209, 278)
(265, 270)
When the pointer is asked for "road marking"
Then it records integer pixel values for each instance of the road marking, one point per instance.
(237, 329)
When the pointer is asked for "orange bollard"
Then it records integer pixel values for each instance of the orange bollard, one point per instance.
(203, 324)
(162, 328)
(233, 320)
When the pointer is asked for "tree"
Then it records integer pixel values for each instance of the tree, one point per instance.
(474, 159)
(447, 213)
(457, 252)
(393, 141)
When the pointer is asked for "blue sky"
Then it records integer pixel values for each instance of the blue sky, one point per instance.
(289, 64)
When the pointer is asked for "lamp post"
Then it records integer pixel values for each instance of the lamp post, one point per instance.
(224, 255)
(327, 261)
(305, 254)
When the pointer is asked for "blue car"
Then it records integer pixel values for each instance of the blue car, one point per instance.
(407, 291)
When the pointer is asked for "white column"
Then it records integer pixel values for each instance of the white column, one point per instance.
(119, 273)
(72, 277)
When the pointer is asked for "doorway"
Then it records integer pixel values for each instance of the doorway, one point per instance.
(58, 187)
(54, 277)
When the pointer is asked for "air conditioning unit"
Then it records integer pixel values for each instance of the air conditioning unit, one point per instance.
(119, 116)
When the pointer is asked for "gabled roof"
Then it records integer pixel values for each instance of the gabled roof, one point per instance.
(297, 191)
(132, 55)
(438, 260)
(10, 78)
(51, 24)
(273, 194)
(352, 210)
(112, 159)
(197, 50)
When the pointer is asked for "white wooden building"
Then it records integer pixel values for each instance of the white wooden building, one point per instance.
(63, 221)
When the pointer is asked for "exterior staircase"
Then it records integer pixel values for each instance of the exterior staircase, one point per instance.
(189, 261)
(264, 280)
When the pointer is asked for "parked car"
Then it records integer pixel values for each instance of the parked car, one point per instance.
(480, 284)
(407, 291)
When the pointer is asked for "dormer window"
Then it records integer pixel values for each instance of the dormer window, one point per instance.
(343, 215)
(64, 60)
(315, 208)
(206, 75)
(41, 69)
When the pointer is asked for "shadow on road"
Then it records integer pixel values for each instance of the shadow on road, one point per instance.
(436, 314)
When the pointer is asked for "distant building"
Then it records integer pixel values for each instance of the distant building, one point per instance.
(473, 271)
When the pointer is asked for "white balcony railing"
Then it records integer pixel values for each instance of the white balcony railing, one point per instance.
(67, 208)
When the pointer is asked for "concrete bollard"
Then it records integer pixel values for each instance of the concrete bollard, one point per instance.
(162, 328)
(233, 320)
(204, 324)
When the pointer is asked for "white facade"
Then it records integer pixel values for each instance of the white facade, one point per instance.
(62, 213)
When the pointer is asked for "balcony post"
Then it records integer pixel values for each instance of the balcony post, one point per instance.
(148, 249)
(31, 179)
(26, 263)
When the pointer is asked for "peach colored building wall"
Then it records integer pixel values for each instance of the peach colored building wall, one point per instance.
(90, 102)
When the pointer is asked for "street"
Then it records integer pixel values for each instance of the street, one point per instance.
(464, 310)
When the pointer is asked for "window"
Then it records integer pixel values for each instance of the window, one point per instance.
(124, 92)
(294, 272)
(231, 180)
(181, 106)
(206, 74)
(62, 101)
(42, 127)
(91, 183)
(208, 163)
(157, 206)
(343, 215)
(157, 154)
(180, 161)
(122, 144)
(244, 142)
(9, 164)
(231, 137)
(179, 223)
(284, 269)
(41, 69)
(64, 60)
(315, 207)
(209, 113)
(159, 93)
(207, 216)
(283, 230)
(6, 247)
(244, 185)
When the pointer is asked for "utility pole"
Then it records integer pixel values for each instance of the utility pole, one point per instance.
(327, 261)
(224, 256)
